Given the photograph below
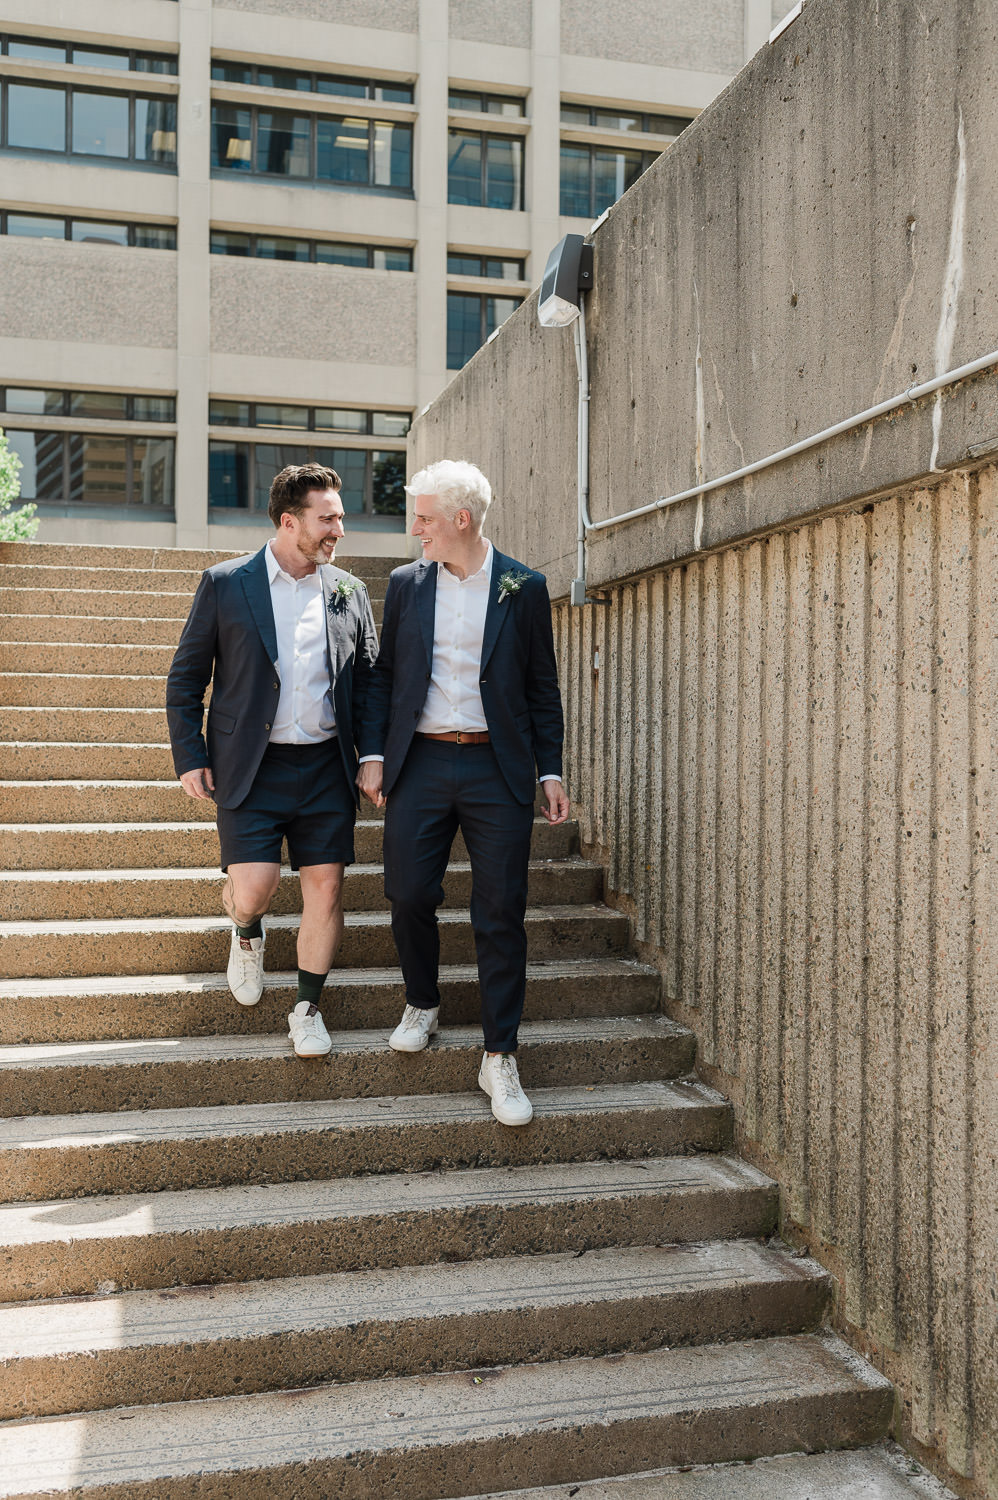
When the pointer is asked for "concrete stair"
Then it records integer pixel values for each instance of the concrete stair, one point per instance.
(341, 1276)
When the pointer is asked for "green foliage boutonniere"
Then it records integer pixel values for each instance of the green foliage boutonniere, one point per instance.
(511, 583)
(342, 593)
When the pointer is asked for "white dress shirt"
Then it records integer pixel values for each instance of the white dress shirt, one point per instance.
(305, 708)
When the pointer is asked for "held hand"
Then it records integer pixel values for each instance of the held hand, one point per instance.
(199, 784)
(369, 779)
(558, 804)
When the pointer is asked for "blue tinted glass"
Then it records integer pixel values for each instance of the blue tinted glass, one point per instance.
(228, 475)
(271, 247)
(342, 150)
(613, 174)
(393, 155)
(152, 471)
(225, 243)
(341, 255)
(497, 310)
(224, 72)
(230, 137)
(100, 124)
(229, 413)
(35, 403)
(98, 469)
(92, 57)
(464, 328)
(89, 231)
(392, 260)
(351, 465)
(387, 483)
(576, 199)
(36, 51)
(345, 88)
(398, 93)
(283, 78)
(462, 99)
(464, 265)
(156, 130)
(36, 226)
(282, 141)
(504, 270)
(156, 236)
(145, 63)
(154, 408)
(464, 168)
(36, 116)
(268, 415)
(41, 455)
(503, 172)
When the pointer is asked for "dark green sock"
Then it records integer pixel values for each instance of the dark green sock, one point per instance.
(252, 929)
(310, 986)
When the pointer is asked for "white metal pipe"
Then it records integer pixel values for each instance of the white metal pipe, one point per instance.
(582, 474)
(912, 394)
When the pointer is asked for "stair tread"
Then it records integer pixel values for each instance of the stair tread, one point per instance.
(212, 873)
(218, 1049)
(342, 1299)
(134, 1216)
(883, 1472)
(341, 1424)
(130, 984)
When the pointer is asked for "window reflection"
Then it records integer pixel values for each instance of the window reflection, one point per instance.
(36, 117)
(342, 150)
(282, 143)
(230, 137)
(100, 124)
(90, 232)
(156, 130)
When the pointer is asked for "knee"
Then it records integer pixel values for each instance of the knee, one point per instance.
(410, 897)
(322, 890)
(252, 897)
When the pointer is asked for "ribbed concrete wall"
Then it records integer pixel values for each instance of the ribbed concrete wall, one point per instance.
(788, 754)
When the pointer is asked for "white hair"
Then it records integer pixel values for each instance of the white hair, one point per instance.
(457, 485)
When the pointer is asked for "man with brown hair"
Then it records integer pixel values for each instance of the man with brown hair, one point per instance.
(287, 642)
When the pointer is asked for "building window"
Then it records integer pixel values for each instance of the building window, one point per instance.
(380, 90)
(471, 318)
(501, 267)
(89, 122)
(38, 49)
(68, 467)
(594, 177)
(485, 171)
(89, 231)
(312, 148)
(323, 252)
(486, 104)
(594, 117)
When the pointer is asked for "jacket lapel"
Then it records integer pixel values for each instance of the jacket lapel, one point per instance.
(426, 605)
(256, 586)
(495, 613)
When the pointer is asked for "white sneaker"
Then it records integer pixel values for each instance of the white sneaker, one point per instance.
(245, 970)
(415, 1029)
(500, 1080)
(306, 1030)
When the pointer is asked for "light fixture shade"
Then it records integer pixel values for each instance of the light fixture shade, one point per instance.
(568, 273)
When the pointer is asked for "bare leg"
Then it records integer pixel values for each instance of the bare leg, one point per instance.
(249, 890)
(321, 918)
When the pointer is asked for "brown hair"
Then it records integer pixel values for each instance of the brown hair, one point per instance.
(292, 486)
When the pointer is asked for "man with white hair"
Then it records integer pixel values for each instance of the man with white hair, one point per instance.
(463, 713)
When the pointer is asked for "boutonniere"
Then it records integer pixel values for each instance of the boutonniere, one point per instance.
(511, 583)
(342, 593)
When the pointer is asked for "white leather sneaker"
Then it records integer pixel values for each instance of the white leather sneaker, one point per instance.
(414, 1030)
(305, 1029)
(245, 970)
(501, 1081)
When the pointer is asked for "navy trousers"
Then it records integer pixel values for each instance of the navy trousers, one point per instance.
(441, 788)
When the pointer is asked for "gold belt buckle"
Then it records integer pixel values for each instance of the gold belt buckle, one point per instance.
(458, 733)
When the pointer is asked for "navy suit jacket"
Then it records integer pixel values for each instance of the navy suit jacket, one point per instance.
(518, 677)
(230, 640)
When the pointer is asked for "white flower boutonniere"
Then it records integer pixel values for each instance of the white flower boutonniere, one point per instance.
(511, 583)
(342, 593)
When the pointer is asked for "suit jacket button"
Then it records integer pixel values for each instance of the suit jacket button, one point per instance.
(427, 676)
(483, 681)
(277, 687)
(266, 726)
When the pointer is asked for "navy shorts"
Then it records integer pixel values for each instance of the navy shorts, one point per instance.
(300, 793)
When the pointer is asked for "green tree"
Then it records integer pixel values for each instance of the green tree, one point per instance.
(17, 525)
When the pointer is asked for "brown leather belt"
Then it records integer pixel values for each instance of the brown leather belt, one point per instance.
(458, 736)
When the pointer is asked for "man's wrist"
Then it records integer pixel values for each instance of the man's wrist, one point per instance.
(552, 777)
(364, 759)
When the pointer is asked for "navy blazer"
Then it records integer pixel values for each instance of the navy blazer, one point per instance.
(230, 640)
(518, 677)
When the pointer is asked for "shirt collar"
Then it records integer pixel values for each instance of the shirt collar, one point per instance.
(274, 570)
(483, 574)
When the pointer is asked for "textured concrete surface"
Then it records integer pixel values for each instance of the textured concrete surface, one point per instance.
(93, 726)
(663, 32)
(27, 656)
(101, 630)
(198, 1342)
(166, 1239)
(70, 292)
(45, 760)
(166, 1005)
(61, 601)
(182, 1071)
(99, 802)
(171, 945)
(588, 1418)
(389, 15)
(509, 25)
(27, 689)
(151, 1149)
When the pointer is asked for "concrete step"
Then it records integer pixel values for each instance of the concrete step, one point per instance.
(185, 846)
(184, 945)
(161, 559)
(882, 1472)
(42, 1011)
(166, 1239)
(95, 726)
(197, 1343)
(185, 1072)
(419, 1437)
(101, 802)
(58, 656)
(80, 690)
(58, 895)
(147, 1150)
(110, 581)
(45, 760)
(100, 630)
(122, 604)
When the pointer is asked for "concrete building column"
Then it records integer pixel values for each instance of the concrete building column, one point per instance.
(544, 169)
(758, 24)
(431, 201)
(193, 272)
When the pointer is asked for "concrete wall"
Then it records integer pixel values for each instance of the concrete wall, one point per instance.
(656, 31)
(104, 294)
(508, 24)
(390, 15)
(781, 718)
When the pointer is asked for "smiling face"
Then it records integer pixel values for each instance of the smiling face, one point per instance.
(443, 538)
(313, 535)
